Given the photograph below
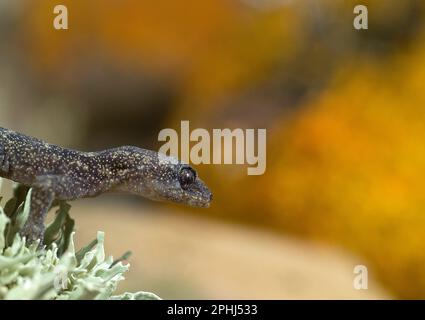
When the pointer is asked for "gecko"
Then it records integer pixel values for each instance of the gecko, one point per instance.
(57, 173)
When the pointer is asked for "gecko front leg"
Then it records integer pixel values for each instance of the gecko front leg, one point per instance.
(4, 161)
(44, 192)
(41, 200)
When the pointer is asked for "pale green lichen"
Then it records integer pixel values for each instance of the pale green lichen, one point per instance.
(55, 271)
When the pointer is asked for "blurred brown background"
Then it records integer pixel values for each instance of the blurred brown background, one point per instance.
(343, 111)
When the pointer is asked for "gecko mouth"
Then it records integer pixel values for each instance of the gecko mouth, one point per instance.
(198, 195)
(204, 202)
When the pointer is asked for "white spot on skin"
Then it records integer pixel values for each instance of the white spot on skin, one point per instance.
(164, 159)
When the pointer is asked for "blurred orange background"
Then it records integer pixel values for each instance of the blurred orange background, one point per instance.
(343, 109)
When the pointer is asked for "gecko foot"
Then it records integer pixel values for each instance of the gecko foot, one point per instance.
(33, 233)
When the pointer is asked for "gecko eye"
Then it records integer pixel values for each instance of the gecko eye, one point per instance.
(187, 176)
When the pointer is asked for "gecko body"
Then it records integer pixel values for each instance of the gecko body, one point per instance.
(54, 172)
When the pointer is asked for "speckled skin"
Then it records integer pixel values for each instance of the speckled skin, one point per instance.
(58, 173)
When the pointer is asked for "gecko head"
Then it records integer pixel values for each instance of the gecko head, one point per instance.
(165, 178)
(186, 187)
